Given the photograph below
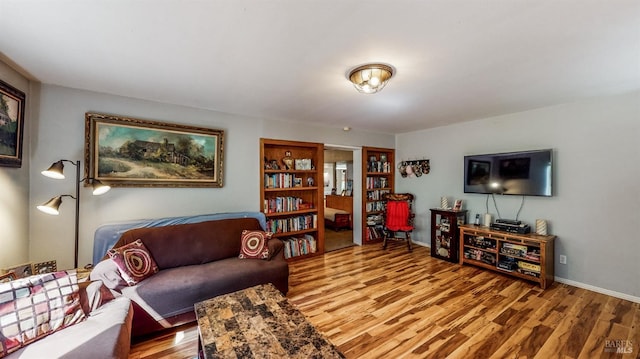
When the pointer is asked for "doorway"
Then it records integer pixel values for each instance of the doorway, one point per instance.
(338, 197)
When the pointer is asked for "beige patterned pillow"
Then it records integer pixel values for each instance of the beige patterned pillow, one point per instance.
(36, 306)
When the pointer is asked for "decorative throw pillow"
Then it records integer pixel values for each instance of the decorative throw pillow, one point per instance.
(34, 307)
(254, 244)
(134, 262)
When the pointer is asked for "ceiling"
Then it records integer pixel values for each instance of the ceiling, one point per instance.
(455, 60)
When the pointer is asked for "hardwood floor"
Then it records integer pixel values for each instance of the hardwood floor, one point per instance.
(375, 303)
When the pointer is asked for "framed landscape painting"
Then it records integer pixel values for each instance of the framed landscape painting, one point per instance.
(11, 125)
(129, 152)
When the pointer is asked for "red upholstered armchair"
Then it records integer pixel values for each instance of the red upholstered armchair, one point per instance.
(398, 217)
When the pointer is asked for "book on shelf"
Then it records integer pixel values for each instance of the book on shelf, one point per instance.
(375, 206)
(374, 233)
(282, 204)
(292, 224)
(377, 182)
(279, 180)
(379, 166)
(376, 195)
(298, 246)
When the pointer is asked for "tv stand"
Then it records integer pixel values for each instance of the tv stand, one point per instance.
(526, 256)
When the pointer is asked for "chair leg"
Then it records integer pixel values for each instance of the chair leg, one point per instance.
(384, 240)
(409, 244)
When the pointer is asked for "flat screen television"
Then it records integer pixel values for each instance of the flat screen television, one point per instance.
(525, 173)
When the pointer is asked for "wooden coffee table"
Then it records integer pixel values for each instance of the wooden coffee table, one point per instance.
(258, 322)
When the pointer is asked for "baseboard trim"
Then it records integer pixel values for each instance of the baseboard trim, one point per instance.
(592, 288)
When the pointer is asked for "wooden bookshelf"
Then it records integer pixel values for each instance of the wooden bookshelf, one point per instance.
(292, 197)
(378, 165)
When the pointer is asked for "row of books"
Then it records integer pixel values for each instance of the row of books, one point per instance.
(298, 246)
(376, 194)
(292, 224)
(377, 182)
(280, 180)
(375, 206)
(379, 166)
(282, 204)
(374, 233)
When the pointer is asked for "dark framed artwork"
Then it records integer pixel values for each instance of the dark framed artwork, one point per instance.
(45, 267)
(11, 125)
(130, 152)
(22, 270)
(7, 277)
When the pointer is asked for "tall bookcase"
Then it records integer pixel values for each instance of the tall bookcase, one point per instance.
(291, 196)
(377, 179)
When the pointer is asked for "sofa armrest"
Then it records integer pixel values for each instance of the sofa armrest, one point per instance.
(107, 271)
(276, 249)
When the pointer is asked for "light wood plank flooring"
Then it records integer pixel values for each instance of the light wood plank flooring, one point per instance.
(375, 303)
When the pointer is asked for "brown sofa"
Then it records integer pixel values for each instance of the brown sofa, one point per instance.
(196, 261)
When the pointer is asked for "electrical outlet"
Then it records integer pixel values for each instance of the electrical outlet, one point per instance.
(563, 259)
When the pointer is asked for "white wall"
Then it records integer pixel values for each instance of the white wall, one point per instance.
(595, 210)
(59, 133)
(14, 193)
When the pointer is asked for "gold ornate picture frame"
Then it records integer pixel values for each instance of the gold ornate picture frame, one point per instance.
(130, 152)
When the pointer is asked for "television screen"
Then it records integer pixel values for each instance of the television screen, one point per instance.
(518, 173)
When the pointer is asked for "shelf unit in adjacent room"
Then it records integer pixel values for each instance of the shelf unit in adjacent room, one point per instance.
(291, 195)
(377, 179)
(526, 256)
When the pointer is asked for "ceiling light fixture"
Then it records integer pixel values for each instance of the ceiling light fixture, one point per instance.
(370, 78)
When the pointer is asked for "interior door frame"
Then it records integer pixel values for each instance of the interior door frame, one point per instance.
(356, 219)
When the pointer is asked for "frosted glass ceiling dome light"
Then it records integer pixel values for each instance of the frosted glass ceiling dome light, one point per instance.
(370, 78)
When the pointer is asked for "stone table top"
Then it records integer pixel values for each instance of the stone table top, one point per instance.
(258, 322)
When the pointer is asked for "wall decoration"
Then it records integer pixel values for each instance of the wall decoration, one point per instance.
(129, 152)
(414, 168)
(21, 270)
(7, 277)
(11, 125)
(303, 164)
(444, 202)
(44, 267)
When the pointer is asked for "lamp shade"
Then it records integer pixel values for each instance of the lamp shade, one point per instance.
(370, 78)
(51, 206)
(55, 171)
(99, 187)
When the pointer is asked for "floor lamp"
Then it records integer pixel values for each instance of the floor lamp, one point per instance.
(52, 205)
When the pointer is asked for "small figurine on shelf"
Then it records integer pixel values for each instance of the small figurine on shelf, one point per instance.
(288, 160)
(310, 181)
